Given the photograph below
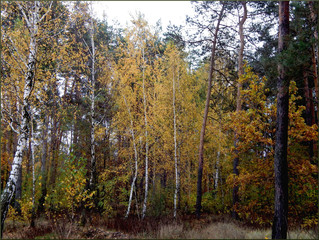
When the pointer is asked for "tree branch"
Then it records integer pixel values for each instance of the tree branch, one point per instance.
(46, 12)
(24, 15)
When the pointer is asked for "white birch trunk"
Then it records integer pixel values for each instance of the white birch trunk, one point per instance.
(175, 153)
(9, 190)
(93, 162)
(146, 141)
(135, 158)
(217, 171)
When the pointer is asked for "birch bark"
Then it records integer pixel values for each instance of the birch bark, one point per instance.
(32, 21)
(135, 158)
(93, 161)
(175, 152)
(146, 140)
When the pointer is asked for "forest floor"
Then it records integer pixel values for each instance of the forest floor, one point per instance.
(208, 227)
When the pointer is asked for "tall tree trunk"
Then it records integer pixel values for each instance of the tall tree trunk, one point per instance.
(18, 193)
(177, 180)
(202, 133)
(314, 19)
(146, 141)
(217, 172)
(135, 159)
(54, 148)
(309, 109)
(238, 107)
(93, 161)
(44, 158)
(315, 80)
(280, 222)
(7, 194)
(32, 222)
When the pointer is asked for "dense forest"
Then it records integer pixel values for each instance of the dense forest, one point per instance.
(129, 126)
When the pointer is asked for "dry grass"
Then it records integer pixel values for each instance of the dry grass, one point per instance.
(59, 229)
(293, 234)
(222, 230)
(212, 231)
(209, 228)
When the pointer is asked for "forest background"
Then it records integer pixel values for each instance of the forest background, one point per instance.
(103, 122)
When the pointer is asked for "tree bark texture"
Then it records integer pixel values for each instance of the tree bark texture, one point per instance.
(92, 181)
(10, 188)
(238, 107)
(309, 109)
(280, 223)
(146, 141)
(32, 222)
(177, 181)
(202, 133)
(135, 160)
(44, 158)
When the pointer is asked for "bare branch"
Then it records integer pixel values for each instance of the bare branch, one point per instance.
(46, 12)
(15, 48)
(9, 122)
(24, 15)
(88, 48)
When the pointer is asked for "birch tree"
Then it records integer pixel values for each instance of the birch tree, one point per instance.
(146, 136)
(177, 184)
(135, 159)
(32, 15)
(135, 73)
(92, 98)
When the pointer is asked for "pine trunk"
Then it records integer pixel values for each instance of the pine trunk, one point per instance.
(203, 129)
(309, 109)
(280, 222)
(314, 19)
(238, 107)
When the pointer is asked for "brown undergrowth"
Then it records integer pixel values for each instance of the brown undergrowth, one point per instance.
(184, 227)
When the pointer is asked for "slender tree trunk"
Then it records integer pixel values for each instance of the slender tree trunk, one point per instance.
(18, 193)
(135, 159)
(146, 141)
(221, 185)
(315, 78)
(217, 171)
(202, 134)
(280, 222)
(54, 148)
(238, 107)
(32, 223)
(314, 19)
(93, 161)
(309, 109)
(241, 54)
(10, 188)
(43, 164)
(177, 180)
